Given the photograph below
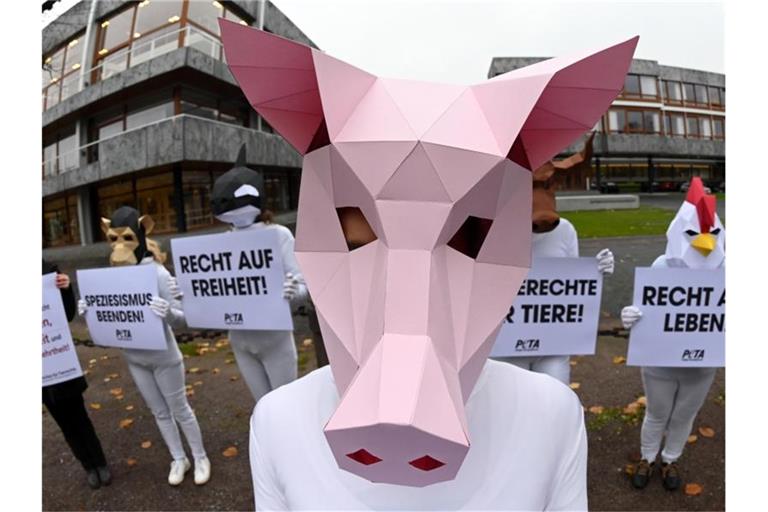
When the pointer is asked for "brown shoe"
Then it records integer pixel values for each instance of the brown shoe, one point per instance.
(643, 472)
(670, 476)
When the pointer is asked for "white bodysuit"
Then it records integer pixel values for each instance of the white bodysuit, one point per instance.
(674, 397)
(561, 242)
(267, 359)
(528, 450)
(159, 376)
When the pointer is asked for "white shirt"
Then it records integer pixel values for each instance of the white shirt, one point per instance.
(561, 242)
(528, 450)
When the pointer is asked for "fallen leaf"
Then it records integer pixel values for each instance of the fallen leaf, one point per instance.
(642, 401)
(693, 489)
(127, 422)
(230, 452)
(573, 363)
(307, 342)
(215, 371)
(596, 409)
(234, 378)
(131, 462)
(104, 358)
(119, 397)
(631, 408)
(92, 361)
(629, 469)
(107, 379)
(146, 444)
(619, 360)
(86, 372)
(190, 392)
(128, 407)
(223, 342)
(116, 391)
(229, 361)
(692, 438)
(197, 383)
(575, 385)
(113, 375)
(96, 406)
(193, 370)
(706, 432)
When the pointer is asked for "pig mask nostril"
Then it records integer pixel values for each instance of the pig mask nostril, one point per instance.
(364, 457)
(426, 463)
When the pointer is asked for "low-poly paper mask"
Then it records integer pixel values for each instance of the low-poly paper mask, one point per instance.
(127, 233)
(696, 238)
(545, 216)
(410, 304)
(235, 197)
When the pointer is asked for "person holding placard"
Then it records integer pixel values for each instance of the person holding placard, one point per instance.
(696, 240)
(266, 359)
(64, 401)
(555, 237)
(159, 374)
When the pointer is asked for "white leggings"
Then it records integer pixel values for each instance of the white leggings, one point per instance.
(673, 403)
(163, 390)
(558, 367)
(267, 360)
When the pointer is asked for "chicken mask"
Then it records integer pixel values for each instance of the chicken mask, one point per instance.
(696, 238)
(440, 177)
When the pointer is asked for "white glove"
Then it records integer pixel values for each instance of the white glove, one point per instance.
(290, 286)
(160, 306)
(82, 309)
(173, 288)
(605, 262)
(630, 315)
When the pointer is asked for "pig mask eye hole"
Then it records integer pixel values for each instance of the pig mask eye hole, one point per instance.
(469, 238)
(356, 228)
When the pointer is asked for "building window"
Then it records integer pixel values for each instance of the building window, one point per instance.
(61, 153)
(196, 186)
(692, 125)
(616, 120)
(60, 224)
(154, 196)
(674, 125)
(718, 126)
(705, 127)
(651, 122)
(640, 86)
(148, 115)
(634, 120)
(200, 104)
(61, 72)
(674, 94)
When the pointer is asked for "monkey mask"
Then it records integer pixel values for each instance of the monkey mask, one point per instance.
(235, 197)
(127, 234)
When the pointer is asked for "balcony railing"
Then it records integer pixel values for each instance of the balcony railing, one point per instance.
(188, 36)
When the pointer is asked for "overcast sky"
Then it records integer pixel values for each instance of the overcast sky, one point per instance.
(454, 40)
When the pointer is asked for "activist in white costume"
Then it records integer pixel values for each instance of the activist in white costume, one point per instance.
(159, 374)
(695, 239)
(413, 232)
(555, 237)
(267, 359)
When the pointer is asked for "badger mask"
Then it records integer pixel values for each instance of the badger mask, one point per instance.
(235, 197)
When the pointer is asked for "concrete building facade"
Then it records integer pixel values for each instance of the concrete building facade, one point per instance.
(140, 109)
(667, 125)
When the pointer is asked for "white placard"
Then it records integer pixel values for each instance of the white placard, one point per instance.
(683, 322)
(60, 361)
(556, 311)
(118, 313)
(232, 280)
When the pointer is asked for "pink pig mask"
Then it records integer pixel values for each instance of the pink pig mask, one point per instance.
(442, 175)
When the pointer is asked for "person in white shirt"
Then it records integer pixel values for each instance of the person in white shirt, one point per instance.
(266, 359)
(555, 237)
(695, 239)
(158, 374)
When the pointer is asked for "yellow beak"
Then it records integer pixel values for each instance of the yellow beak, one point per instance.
(705, 243)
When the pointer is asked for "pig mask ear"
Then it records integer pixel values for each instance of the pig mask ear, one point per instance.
(538, 110)
(281, 79)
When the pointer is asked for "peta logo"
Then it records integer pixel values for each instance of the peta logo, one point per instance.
(233, 318)
(696, 354)
(123, 335)
(531, 345)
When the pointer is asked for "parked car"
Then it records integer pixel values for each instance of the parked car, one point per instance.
(609, 187)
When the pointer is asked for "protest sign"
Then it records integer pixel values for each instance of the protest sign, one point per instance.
(118, 313)
(59, 357)
(683, 322)
(232, 280)
(556, 311)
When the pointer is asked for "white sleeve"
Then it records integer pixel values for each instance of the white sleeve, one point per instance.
(175, 316)
(290, 264)
(572, 242)
(267, 492)
(569, 490)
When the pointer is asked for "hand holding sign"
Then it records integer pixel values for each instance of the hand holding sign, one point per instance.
(60, 361)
